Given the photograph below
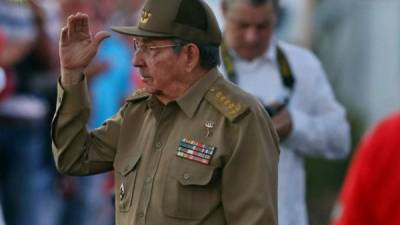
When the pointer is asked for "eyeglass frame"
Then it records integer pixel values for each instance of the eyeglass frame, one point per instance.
(146, 49)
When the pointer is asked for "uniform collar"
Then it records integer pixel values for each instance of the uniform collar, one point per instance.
(190, 101)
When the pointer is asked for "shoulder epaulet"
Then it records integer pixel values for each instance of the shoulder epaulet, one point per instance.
(138, 95)
(227, 102)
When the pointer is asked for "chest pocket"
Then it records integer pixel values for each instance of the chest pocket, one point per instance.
(191, 191)
(125, 178)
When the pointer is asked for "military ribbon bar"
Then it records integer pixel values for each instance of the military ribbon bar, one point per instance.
(195, 151)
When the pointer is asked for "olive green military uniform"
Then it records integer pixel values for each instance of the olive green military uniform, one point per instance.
(209, 158)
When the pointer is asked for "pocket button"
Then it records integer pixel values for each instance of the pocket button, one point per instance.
(148, 180)
(187, 176)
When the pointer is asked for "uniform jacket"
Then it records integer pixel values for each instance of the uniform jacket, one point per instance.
(210, 157)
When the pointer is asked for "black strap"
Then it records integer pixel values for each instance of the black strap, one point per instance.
(228, 63)
(284, 69)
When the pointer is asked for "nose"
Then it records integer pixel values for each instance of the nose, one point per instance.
(251, 34)
(138, 59)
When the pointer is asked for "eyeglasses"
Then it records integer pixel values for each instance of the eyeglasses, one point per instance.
(147, 49)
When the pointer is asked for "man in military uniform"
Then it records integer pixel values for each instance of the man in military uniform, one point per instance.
(191, 148)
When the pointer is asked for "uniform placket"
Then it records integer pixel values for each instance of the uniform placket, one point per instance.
(163, 128)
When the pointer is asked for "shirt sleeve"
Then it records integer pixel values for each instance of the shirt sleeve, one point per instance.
(320, 126)
(76, 150)
(249, 194)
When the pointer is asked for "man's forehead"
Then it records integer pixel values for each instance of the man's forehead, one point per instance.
(246, 13)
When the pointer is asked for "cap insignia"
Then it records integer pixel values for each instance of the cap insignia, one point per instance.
(145, 17)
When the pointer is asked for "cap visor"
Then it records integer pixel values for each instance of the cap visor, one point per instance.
(136, 31)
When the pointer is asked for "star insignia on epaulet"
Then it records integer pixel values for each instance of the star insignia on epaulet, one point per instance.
(227, 104)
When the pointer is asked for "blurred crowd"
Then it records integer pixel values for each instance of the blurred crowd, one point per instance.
(31, 190)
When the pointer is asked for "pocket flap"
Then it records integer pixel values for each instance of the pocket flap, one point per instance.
(196, 175)
(126, 164)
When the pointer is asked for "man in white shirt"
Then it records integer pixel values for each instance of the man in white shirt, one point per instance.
(292, 85)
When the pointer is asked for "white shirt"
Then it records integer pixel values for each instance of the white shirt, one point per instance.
(320, 127)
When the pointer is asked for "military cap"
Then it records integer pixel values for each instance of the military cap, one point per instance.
(190, 20)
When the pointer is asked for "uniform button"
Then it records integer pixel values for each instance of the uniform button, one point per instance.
(148, 180)
(158, 145)
(186, 176)
(140, 214)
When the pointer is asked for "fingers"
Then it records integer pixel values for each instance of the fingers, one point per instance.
(100, 36)
(77, 30)
(69, 26)
(85, 24)
(81, 23)
(78, 23)
(64, 35)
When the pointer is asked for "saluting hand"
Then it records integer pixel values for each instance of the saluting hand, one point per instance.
(77, 47)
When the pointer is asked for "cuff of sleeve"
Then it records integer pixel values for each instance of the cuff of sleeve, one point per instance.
(300, 126)
(73, 97)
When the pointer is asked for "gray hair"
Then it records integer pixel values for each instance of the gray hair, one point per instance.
(209, 54)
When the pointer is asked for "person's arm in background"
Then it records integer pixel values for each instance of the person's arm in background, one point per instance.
(319, 125)
(13, 51)
(44, 52)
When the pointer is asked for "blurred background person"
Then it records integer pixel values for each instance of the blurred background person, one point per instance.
(2, 86)
(291, 83)
(2, 80)
(370, 194)
(25, 55)
(294, 23)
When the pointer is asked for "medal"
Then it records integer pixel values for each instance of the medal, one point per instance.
(209, 125)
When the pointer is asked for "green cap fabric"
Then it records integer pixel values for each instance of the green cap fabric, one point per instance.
(190, 20)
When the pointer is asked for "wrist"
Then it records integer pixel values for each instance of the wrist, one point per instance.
(71, 77)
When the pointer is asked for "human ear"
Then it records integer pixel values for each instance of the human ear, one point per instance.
(192, 57)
